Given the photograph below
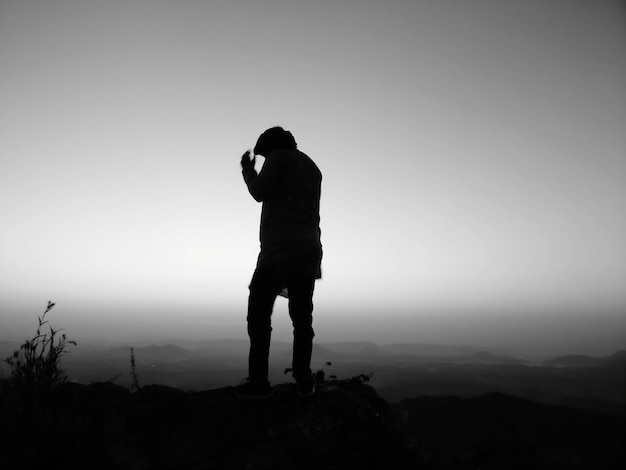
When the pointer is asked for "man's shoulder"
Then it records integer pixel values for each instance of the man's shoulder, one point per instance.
(285, 153)
(289, 155)
(293, 159)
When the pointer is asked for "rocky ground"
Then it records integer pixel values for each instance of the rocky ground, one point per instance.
(344, 426)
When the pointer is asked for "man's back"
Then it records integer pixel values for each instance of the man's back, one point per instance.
(289, 185)
(291, 210)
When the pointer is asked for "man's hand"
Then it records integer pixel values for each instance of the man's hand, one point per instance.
(246, 161)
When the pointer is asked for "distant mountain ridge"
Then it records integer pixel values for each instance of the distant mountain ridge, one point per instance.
(397, 371)
(167, 352)
(579, 360)
(176, 350)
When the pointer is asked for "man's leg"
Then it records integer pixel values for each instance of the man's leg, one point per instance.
(301, 313)
(263, 291)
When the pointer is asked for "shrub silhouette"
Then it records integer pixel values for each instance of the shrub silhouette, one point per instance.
(35, 366)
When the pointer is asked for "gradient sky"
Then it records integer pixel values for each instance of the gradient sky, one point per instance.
(473, 153)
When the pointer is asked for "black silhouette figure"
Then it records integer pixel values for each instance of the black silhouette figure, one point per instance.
(289, 263)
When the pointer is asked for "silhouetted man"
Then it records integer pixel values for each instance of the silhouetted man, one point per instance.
(289, 186)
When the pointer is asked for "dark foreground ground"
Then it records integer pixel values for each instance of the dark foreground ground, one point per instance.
(346, 425)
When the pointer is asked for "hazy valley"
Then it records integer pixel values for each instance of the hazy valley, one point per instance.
(398, 371)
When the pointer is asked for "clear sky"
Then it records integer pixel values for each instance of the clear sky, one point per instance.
(473, 154)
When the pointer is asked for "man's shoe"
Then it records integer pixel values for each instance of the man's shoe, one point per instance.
(251, 390)
(306, 388)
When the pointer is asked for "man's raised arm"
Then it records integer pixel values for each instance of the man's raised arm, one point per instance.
(261, 185)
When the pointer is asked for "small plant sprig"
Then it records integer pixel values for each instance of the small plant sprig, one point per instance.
(134, 385)
(363, 378)
(36, 364)
(319, 376)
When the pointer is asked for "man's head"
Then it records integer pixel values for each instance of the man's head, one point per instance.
(274, 138)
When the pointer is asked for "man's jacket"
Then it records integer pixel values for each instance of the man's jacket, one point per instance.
(289, 186)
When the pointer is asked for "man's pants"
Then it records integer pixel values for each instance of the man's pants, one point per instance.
(264, 288)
